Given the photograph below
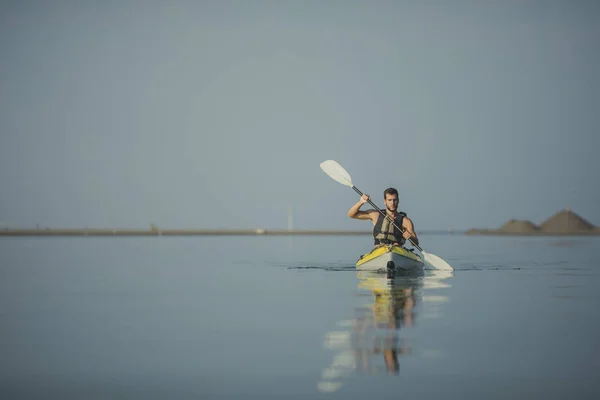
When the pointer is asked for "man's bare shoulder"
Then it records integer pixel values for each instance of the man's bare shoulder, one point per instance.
(407, 221)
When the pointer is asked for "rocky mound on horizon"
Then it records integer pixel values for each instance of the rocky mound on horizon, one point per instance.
(518, 226)
(563, 222)
(566, 221)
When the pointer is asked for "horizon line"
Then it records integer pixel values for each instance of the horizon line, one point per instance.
(154, 231)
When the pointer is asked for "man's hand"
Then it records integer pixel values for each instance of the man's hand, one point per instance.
(354, 211)
(409, 231)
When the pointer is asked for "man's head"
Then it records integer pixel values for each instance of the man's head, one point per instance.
(390, 197)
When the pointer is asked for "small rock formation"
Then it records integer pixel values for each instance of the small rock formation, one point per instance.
(518, 226)
(566, 221)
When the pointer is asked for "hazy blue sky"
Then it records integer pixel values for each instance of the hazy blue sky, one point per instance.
(217, 114)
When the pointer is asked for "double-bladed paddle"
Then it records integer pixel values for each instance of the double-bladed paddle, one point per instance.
(338, 173)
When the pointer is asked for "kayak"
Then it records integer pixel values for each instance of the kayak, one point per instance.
(389, 258)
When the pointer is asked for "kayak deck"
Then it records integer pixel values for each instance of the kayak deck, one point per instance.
(386, 257)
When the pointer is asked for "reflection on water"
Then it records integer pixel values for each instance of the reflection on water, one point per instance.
(374, 341)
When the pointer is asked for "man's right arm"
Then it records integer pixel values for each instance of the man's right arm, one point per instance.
(354, 211)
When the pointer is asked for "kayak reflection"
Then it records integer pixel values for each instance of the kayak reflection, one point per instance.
(380, 332)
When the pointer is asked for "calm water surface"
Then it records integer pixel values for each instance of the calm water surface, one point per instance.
(289, 317)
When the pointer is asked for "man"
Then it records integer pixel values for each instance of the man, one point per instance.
(384, 231)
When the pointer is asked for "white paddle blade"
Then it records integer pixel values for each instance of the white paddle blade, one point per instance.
(436, 262)
(336, 172)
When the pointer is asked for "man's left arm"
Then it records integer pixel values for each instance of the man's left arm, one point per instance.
(409, 231)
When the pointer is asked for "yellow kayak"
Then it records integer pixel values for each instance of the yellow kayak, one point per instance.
(389, 257)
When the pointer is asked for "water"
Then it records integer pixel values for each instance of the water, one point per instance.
(289, 317)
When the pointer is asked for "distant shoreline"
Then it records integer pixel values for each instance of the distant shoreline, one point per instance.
(261, 232)
(188, 232)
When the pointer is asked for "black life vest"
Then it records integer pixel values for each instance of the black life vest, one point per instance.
(384, 232)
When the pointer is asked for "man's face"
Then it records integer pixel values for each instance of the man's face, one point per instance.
(391, 201)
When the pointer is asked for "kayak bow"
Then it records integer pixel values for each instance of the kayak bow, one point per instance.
(389, 257)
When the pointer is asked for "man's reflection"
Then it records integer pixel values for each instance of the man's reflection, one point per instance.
(374, 334)
(377, 325)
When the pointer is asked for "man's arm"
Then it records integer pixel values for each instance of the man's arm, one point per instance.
(354, 211)
(409, 231)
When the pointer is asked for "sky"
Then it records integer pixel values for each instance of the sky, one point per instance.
(217, 114)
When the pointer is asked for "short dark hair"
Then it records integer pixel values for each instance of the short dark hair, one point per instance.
(391, 191)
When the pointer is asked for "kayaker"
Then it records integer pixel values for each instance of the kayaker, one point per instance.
(384, 232)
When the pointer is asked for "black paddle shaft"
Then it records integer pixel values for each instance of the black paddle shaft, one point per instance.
(387, 216)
